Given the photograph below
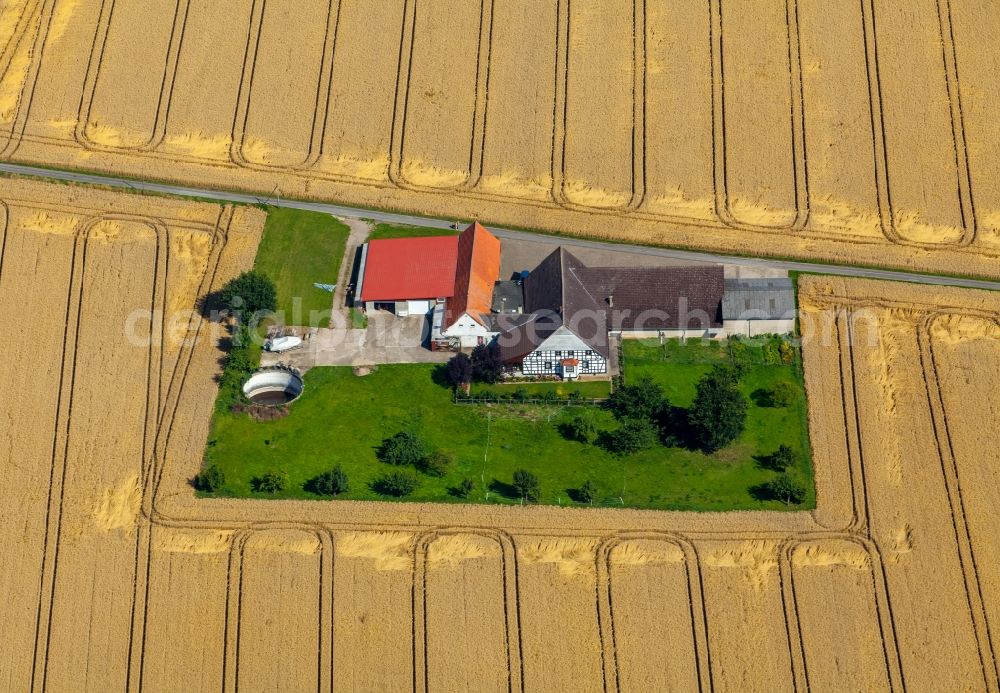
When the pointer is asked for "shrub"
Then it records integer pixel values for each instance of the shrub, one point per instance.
(398, 484)
(582, 428)
(249, 293)
(273, 481)
(458, 370)
(587, 492)
(404, 448)
(782, 394)
(436, 464)
(787, 351)
(465, 488)
(634, 435)
(210, 480)
(527, 485)
(644, 400)
(718, 415)
(786, 488)
(330, 483)
(771, 355)
(487, 365)
(521, 395)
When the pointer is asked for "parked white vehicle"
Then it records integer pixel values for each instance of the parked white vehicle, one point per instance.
(280, 344)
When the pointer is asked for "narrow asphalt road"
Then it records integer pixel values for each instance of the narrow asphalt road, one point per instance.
(393, 218)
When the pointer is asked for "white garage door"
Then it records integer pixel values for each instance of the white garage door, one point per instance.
(418, 307)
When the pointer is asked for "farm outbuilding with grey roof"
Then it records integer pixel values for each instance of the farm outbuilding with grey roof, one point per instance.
(759, 306)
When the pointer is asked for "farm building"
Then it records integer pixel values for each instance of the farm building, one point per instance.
(570, 309)
(558, 319)
(407, 276)
(464, 316)
(758, 306)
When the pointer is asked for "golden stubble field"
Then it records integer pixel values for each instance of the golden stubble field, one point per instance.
(116, 578)
(855, 131)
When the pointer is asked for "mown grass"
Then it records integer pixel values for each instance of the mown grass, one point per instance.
(342, 418)
(298, 249)
(382, 231)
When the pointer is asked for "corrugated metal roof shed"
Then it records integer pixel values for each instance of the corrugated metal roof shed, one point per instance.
(758, 299)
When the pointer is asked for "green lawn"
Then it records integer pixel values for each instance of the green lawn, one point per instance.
(590, 389)
(342, 418)
(299, 248)
(402, 231)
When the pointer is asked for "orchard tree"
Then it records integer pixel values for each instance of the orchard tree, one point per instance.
(782, 394)
(587, 492)
(787, 489)
(398, 484)
(643, 400)
(782, 458)
(273, 481)
(632, 436)
(527, 485)
(404, 448)
(435, 464)
(331, 483)
(719, 413)
(582, 428)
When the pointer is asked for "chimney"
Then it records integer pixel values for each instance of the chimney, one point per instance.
(611, 301)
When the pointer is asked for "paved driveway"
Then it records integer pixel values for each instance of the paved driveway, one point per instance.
(387, 339)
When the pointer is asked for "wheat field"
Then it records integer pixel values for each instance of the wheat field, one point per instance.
(843, 130)
(117, 578)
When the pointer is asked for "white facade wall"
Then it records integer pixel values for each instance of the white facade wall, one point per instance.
(753, 328)
(468, 330)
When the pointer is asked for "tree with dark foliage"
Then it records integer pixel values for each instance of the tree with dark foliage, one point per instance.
(251, 292)
(719, 413)
(487, 365)
(643, 400)
(404, 448)
(330, 483)
(458, 371)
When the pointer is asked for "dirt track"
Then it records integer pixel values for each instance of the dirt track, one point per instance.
(890, 582)
(856, 132)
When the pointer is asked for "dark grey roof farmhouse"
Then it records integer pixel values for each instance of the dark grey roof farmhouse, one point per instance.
(593, 300)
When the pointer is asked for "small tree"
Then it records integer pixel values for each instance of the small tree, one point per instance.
(782, 458)
(465, 488)
(273, 481)
(582, 428)
(718, 415)
(634, 435)
(398, 484)
(331, 483)
(458, 370)
(436, 464)
(643, 400)
(587, 492)
(527, 485)
(487, 365)
(210, 480)
(786, 488)
(782, 394)
(249, 293)
(404, 448)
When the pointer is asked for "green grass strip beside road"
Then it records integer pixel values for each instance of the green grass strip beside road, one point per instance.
(298, 249)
